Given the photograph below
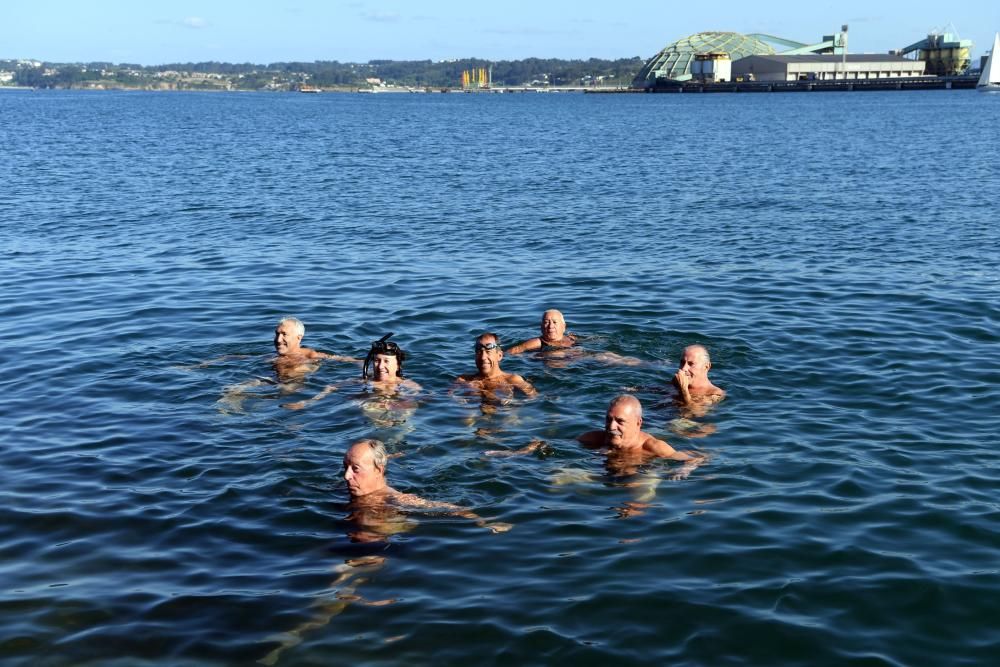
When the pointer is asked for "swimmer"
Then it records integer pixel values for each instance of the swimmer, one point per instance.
(385, 359)
(493, 384)
(365, 466)
(553, 329)
(695, 391)
(554, 341)
(291, 364)
(626, 445)
(294, 361)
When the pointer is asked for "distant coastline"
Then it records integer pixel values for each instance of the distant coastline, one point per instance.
(376, 75)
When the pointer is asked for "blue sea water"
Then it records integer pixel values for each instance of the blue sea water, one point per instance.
(837, 253)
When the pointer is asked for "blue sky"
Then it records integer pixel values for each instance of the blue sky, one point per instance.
(154, 32)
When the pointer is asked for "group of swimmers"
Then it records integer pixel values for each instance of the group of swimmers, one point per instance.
(622, 439)
(377, 510)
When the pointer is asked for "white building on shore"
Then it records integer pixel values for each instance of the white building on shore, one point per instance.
(817, 67)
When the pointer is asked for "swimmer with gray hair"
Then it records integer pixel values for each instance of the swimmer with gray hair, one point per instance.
(292, 359)
(691, 378)
(365, 466)
(553, 334)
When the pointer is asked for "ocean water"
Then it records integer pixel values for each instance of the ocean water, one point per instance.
(837, 253)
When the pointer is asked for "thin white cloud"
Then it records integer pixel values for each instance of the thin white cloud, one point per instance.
(195, 22)
(380, 16)
(528, 30)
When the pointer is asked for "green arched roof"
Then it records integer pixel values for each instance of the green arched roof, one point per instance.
(674, 61)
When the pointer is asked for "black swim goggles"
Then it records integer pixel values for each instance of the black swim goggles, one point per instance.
(489, 347)
(384, 346)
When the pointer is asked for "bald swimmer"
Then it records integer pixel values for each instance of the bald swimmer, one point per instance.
(553, 330)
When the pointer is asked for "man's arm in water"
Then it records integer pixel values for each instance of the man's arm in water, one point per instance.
(532, 446)
(315, 354)
(522, 384)
(525, 346)
(412, 500)
(614, 358)
(298, 405)
(691, 461)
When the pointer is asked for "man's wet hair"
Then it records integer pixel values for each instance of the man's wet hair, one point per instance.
(300, 328)
(384, 346)
(380, 458)
(627, 399)
(700, 349)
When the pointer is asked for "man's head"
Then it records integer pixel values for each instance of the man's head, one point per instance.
(364, 467)
(488, 353)
(623, 421)
(288, 336)
(695, 362)
(553, 325)
(386, 360)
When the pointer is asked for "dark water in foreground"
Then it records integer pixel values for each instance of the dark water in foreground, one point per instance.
(837, 253)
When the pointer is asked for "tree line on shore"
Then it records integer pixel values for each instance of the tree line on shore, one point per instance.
(249, 76)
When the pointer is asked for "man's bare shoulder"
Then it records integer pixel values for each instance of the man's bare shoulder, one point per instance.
(709, 395)
(654, 445)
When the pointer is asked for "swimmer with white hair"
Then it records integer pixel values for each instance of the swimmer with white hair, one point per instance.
(293, 360)
(691, 379)
(554, 341)
(553, 334)
(365, 464)
(291, 364)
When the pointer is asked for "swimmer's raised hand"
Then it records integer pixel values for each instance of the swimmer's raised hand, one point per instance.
(496, 526)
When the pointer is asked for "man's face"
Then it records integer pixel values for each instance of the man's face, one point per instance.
(621, 424)
(488, 354)
(553, 325)
(694, 364)
(386, 366)
(360, 473)
(286, 339)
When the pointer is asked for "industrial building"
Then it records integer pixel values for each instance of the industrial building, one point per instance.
(819, 67)
(944, 53)
(674, 61)
(721, 57)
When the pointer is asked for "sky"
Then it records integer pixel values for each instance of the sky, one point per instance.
(153, 32)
